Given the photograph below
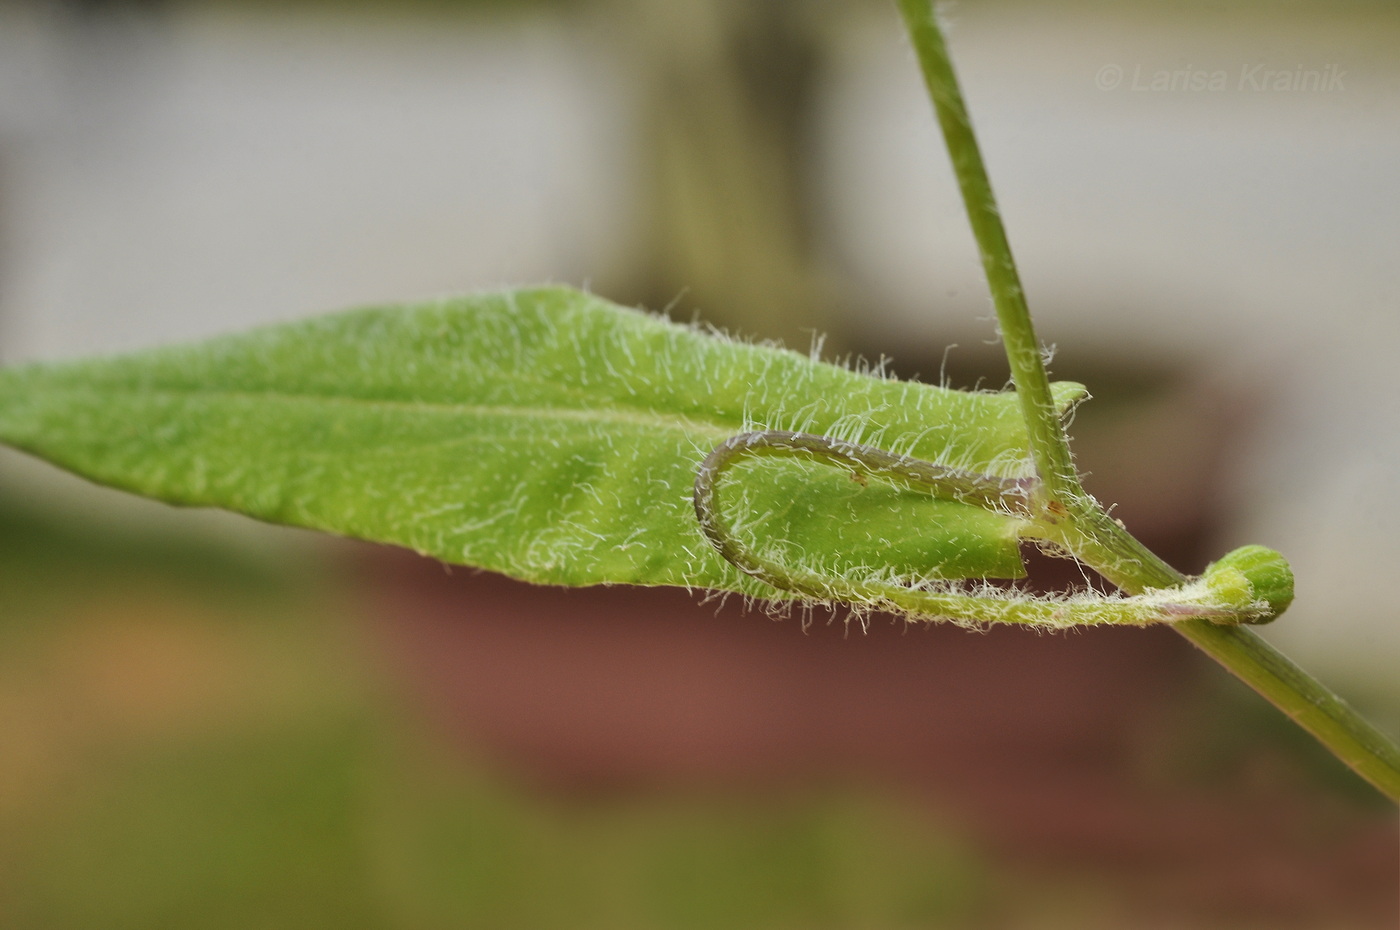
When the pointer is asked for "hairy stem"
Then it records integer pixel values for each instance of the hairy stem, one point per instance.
(1066, 513)
(1023, 351)
(1174, 604)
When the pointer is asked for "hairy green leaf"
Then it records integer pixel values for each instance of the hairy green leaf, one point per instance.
(543, 433)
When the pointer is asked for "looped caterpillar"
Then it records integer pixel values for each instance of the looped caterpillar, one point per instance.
(1226, 593)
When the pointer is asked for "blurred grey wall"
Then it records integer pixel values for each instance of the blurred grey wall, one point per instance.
(207, 169)
(1180, 191)
(1217, 189)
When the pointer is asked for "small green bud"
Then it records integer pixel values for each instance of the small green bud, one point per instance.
(1254, 579)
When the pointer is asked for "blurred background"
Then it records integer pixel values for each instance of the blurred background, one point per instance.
(206, 722)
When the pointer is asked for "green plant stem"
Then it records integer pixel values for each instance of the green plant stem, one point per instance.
(1311, 704)
(984, 607)
(1023, 352)
(1069, 515)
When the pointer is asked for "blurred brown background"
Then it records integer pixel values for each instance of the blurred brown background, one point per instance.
(206, 722)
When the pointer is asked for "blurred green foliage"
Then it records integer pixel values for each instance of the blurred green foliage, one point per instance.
(194, 739)
(193, 735)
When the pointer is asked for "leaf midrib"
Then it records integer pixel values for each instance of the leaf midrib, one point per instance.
(621, 414)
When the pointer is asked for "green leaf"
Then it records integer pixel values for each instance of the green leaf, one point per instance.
(544, 433)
